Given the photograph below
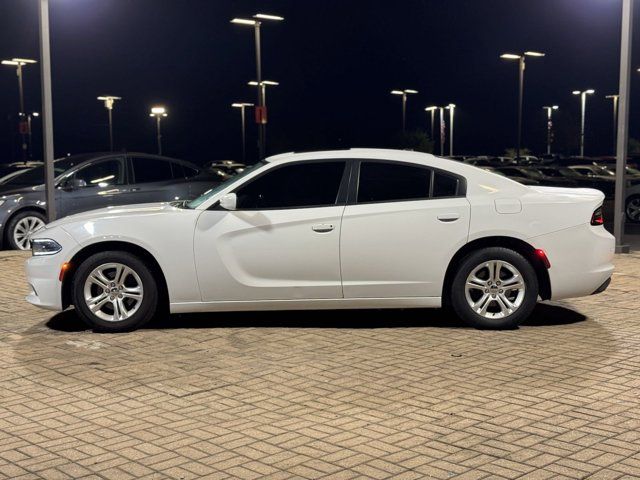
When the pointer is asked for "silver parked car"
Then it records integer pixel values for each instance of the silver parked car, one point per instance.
(90, 181)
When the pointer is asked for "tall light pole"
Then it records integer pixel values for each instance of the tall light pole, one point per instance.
(47, 110)
(262, 86)
(432, 109)
(108, 104)
(242, 106)
(583, 106)
(30, 116)
(550, 110)
(442, 130)
(261, 111)
(614, 99)
(451, 107)
(623, 125)
(19, 63)
(159, 113)
(404, 104)
(521, 66)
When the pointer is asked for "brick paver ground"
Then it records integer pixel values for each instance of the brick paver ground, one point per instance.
(364, 394)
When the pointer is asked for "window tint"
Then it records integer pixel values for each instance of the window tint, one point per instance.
(188, 172)
(102, 174)
(301, 185)
(380, 182)
(444, 185)
(147, 170)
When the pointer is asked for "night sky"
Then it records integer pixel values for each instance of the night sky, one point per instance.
(336, 62)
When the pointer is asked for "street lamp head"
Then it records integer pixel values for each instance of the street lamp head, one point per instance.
(272, 83)
(244, 21)
(431, 108)
(409, 90)
(534, 54)
(576, 92)
(397, 92)
(264, 16)
(555, 107)
(591, 91)
(510, 56)
(241, 105)
(18, 61)
(612, 96)
(451, 105)
(35, 114)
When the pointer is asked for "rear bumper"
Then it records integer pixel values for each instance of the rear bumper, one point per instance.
(602, 287)
(581, 260)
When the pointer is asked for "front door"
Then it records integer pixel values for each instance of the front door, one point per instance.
(283, 240)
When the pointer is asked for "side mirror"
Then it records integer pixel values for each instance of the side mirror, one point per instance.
(73, 183)
(229, 201)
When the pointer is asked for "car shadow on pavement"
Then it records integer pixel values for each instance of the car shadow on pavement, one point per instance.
(545, 314)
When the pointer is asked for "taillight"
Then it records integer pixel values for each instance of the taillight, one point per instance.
(597, 218)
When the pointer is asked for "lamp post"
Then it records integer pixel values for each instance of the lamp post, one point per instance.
(19, 63)
(442, 130)
(404, 104)
(108, 104)
(623, 125)
(451, 107)
(159, 113)
(521, 66)
(583, 104)
(242, 106)
(261, 113)
(614, 99)
(262, 86)
(432, 109)
(29, 121)
(550, 110)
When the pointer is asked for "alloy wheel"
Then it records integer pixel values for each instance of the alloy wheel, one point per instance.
(113, 292)
(495, 289)
(633, 209)
(23, 230)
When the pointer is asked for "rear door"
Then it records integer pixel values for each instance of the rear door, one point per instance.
(155, 179)
(402, 226)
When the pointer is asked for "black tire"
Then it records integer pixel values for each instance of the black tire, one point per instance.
(145, 310)
(472, 261)
(13, 223)
(626, 209)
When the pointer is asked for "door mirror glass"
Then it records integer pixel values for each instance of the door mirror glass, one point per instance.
(229, 201)
(73, 183)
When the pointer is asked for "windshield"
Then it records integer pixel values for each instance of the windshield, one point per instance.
(35, 175)
(218, 188)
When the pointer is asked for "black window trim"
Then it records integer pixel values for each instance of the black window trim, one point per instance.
(461, 189)
(341, 198)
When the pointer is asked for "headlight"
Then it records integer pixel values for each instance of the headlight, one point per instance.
(44, 246)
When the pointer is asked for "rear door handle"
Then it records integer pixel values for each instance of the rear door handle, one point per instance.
(448, 217)
(322, 228)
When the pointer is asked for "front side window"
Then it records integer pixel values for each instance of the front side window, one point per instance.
(147, 170)
(101, 174)
(385, 182)
(309, 184)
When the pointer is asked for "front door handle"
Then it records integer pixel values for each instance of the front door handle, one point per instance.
(448, 217)
(323, 228)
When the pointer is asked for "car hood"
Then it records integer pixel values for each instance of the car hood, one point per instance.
(6, 190)
(121, 211)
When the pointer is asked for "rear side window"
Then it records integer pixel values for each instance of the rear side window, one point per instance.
(146, 170)
(384, 182)
(444, 185)
(310, 184)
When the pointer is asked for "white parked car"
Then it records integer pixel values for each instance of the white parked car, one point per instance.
(359, 228)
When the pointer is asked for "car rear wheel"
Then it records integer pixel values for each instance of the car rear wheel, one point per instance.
(494, 288)
(114, 292)
(21, 227)
(632, 209)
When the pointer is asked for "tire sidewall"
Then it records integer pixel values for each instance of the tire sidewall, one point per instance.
(626, 205)
(471, 261)
(149, 301)
(14, 222)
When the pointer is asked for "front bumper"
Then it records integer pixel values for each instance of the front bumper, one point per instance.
(43, 272)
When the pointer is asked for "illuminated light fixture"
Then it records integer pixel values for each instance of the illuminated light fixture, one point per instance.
(534, 54)
(264, 16)
(510, 56)
(430, 109)
(243, 21)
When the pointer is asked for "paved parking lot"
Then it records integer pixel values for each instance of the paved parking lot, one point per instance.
(369, 394)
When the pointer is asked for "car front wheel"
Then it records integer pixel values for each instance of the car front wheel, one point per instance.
(21, 227)
(632, 209)
(494, 288)
(114, 292)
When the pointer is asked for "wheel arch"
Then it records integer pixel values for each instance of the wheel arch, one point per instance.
(523, 248)
(115, 245)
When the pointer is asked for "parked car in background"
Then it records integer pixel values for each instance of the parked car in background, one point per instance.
(538, 176)
(224, 169)
(90, 181)
(522, 180)
(360, 228)
(601, 180)
(8, 168)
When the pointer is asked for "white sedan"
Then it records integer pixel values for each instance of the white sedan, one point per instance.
(360, 228)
